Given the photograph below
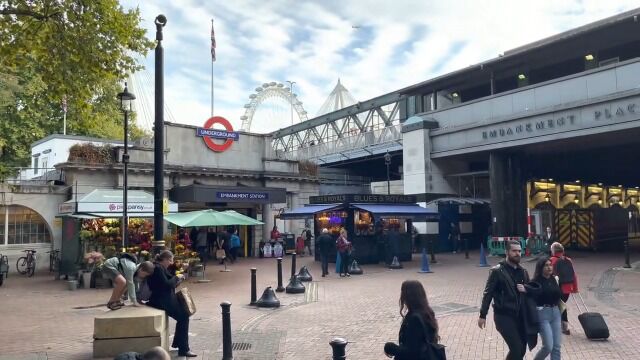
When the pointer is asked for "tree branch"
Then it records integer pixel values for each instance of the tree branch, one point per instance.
(27, 12)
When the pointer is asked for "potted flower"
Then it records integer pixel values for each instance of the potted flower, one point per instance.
(93, 260)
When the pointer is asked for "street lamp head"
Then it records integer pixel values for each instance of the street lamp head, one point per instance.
(387, 158)
(161, 20)
(126, 99)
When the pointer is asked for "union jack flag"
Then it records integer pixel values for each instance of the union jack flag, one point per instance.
(213, 43)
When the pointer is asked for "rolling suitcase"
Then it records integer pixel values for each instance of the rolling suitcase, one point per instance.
(593, 324)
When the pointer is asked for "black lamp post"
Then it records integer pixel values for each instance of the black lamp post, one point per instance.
(387, 161)
(126, 102)
(158, 140)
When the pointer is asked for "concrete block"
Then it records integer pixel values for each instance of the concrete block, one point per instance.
(130, 322)
(109, 348)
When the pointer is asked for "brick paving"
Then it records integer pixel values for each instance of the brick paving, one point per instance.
(41, 319)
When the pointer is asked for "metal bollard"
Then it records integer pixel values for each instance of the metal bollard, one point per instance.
(293, 264)
(280, 288)
(432, 252)
(254, 294)
(338, 346)
(227, 350)
(466, 248)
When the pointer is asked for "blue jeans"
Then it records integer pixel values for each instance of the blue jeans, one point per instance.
(550, 332)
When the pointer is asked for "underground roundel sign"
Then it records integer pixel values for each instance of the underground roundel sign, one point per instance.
(211, 135)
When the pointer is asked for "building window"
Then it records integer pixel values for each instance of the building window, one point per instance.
(35, 165)
(23, 226)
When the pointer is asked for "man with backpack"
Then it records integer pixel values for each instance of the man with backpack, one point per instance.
(563, 269)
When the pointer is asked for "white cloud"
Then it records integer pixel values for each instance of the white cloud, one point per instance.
(314, 44)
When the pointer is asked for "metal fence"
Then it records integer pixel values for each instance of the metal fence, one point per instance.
(31, 176)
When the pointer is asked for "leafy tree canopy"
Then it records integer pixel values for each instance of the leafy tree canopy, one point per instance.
(56, 49)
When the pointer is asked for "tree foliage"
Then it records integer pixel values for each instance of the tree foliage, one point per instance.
(54, 49)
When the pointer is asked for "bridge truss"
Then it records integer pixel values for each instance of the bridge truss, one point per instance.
(367, 128)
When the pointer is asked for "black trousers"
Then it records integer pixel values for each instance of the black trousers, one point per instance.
(344, 263)
(324, 257)
(181, 335)
(564, 298)
(512, 331)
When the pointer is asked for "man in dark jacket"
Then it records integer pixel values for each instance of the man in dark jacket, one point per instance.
(506, 287)
(325, 243)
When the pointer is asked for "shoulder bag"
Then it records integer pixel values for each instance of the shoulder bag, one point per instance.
(432, 351)
(186, 301)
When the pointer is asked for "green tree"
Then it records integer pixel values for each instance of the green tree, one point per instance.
(54, 49)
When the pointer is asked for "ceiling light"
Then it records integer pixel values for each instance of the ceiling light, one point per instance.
(547, 198)
(576, 200)
(599, 201)
(588, 57)
(455, 94)
(521, 76)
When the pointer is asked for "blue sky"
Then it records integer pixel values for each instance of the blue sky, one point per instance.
(373, 46)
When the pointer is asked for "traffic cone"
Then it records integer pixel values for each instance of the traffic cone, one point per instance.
(483, 257)
(425, 263)
(395, 264)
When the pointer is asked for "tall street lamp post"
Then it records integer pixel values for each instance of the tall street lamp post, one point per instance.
(387, 161)
(292, 98)
(126, 106)
(158, 140)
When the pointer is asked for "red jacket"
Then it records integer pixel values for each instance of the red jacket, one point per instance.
(570, 287)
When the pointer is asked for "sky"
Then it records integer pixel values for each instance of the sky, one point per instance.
(372, 46)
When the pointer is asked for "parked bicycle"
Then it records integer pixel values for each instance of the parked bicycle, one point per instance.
(54, 259)
(4, 268)
(27, 264)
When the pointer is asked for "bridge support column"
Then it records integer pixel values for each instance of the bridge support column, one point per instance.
(508, 194)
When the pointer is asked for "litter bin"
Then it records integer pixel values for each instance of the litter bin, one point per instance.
(289, 242)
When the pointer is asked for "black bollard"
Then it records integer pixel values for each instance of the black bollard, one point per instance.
(293, 264)
(295, 286)
(466, 248)
(339, 345)
(432, 252)
(227, 350)
(280, 288)
(254, 294)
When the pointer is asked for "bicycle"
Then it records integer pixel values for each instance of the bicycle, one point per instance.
(27, 264)
(54, 258)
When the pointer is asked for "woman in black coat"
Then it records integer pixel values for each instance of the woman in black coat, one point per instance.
(419, 324)
(162, 284)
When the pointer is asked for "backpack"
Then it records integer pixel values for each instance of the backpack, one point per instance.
(143, 292)
(432, 351)
(127, 256)
(564, 269)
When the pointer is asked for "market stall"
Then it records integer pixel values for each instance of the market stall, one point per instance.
(379, 226)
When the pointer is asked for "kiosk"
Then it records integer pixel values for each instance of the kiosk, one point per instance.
(379, 226)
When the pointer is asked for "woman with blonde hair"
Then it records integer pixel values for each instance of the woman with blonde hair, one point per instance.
(344, 249)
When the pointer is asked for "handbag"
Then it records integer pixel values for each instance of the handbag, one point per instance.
(220, 253)
(432, 351)
(562, 306)
(186, 301)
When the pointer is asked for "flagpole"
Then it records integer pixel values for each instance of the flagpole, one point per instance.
(212, 91)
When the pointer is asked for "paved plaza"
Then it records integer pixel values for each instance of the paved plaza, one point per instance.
(41, 319)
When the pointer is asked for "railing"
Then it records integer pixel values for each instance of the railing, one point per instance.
(31, 176)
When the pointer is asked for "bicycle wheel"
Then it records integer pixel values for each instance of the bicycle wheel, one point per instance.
(21, 265)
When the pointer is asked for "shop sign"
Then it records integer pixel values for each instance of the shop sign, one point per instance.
(530, 127)
(236, 195)
(208, 134)
(66, 208)
(363, 199)
(117, 207)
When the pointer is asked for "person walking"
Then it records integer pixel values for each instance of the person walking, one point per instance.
(567, 277)
(548, 239)
(454, 237)
(201, 245)
(419, 326)
(162, 284)
(235, 245)
(344, 249)
(325, 241)
(506, 288)
(308, 237)
(547, 301)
